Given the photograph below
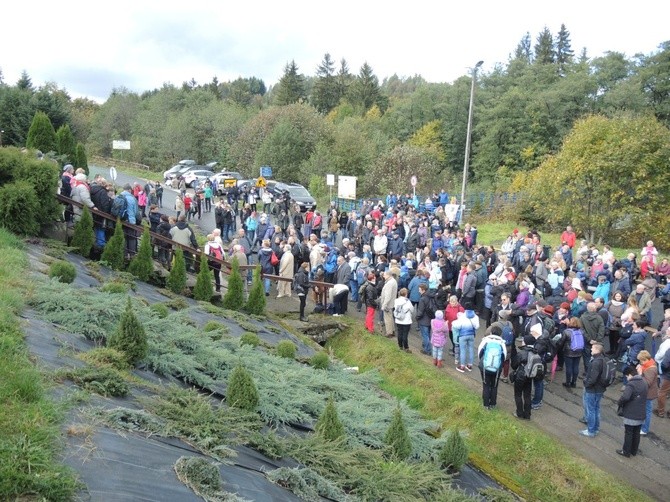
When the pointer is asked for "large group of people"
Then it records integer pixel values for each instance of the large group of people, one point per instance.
(571, 309)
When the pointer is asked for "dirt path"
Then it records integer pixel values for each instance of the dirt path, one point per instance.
(559, 417)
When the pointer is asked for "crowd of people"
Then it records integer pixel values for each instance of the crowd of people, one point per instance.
(572, 309)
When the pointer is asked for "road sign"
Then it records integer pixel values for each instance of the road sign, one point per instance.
(120, 145)
(229, 182)
(260, 182)
(330, 180)
(413, 180)
(112, 173)
(266, 172)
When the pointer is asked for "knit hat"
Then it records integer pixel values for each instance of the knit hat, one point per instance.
(439, 314)
(565, 306)
(470, 314)
(549, 309)
(80, 177)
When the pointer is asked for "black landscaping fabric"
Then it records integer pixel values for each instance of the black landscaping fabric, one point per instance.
(123, 465)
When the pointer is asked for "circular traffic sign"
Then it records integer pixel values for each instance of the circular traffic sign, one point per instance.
(112, 173)
(413, 180)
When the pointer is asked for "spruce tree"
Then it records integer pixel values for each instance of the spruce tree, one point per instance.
(80, 158)
(397, 437)
(115, 249)
(41, 134)
(256, 301)
(328, 426)
(83, 238)
(204, 289)
(130, 337)
(454, 453)
(142, 264)
(65, 144)
(291, 87)
(242, 392)
(176, 281)
(234, 297)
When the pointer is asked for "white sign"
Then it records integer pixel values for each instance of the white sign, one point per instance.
(451, 211)
(118, 144)
(112, 173)
(412, 180)
(346, 187)
(330, 180)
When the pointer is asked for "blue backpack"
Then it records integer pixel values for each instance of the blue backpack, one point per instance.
(331, 262)
(507, 333)
(120, 207)
(493, 357)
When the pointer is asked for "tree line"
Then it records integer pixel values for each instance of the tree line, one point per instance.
(344, 122)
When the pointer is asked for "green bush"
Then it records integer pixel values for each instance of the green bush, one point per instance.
(267, 443)
(103, 380)
(287, 349)
(115, 287)
(213, 326)
(177, 304)
(142, 264)
(329, 425)
(234, 297)
(130, 337)
(83, 238)
(63, 270)
(80, 158)
(200, 475)
(19, 208)
(256, 301)
(65, 142)
(160, 310)
(320, 361)
(204, 290)
(249, 338)
(454, 453)
(105, 356)
(397, 437)
(115, 249)
(176, 281)
(41, 135)
(242, 392)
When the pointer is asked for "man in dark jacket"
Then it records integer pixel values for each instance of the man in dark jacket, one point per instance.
(594, 389)
(522, 384)
(593, 328)
(424, 314)
(343, 274)
(633, 399)
(412, 240)
(469, 289)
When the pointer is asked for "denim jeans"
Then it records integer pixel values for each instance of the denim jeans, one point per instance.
(592, 410)
(467, 349)
(647, 418)
(571, 365)
(538, 386)
(266, 285)
(437, 353)
(353, 286)
(425, 339)
(227, 228)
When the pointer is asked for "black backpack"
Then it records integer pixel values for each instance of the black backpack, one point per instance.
(665, 362)
(120, 207)
(608, 375)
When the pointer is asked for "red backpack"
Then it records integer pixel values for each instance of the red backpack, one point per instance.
(216, 252)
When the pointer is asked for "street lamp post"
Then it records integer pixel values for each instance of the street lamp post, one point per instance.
(467, 139)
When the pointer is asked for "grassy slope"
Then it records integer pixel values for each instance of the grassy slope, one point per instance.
(29, 434)
(516, 454)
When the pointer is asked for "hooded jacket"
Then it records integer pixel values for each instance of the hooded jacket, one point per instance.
(593, 326)
(634, 398)
(466, 324)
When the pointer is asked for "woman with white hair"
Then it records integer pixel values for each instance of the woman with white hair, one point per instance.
(285, 270)
(81, 193)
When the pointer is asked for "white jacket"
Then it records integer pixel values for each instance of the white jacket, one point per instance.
(405, 307)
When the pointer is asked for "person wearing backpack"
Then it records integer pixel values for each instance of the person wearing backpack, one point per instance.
(507, 334)
(572, 345)
(402, 312)
(662, 358)
(492, 352)
(465, 329)
(523, 385)
(594, 388)
(214, 250)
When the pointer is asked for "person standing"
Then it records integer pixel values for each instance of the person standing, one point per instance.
(467, 327)
(214, 250)
(285, 270)
(650, 375)
(593, 391)
(386, 301)
(523, 385)
(571, 341)
(662, 361)
(301, 281)
(369, 290)
(424, 315)
(593, 328)
(632, 401)
(439, 330)
(403, 311)
(492, 352)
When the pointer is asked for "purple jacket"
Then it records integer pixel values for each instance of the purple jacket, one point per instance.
(438, 329)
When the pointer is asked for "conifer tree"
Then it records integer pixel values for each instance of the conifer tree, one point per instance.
(115, 249)
(41, 134)
(65, 144)
(544, 48)
(84, 238)
(130, 337)
(325, 94)
(176, 281)
(564, 52)
(234, 297)
(242, 392)
(329, 425)
(203, 289)
(142, 264)
(80, 158)
(291, 87)
(454, 453)
(256, 301)
(397, 437)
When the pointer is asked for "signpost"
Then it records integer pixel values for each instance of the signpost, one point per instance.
(346, 187)
(266, 172)
(261, 183)
(112, 175)
(330, 181)
(118, 144)
(413, 181)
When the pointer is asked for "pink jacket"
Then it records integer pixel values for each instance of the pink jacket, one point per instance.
(439, 329)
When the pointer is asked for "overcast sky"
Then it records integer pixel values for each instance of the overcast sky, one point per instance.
(89, 47)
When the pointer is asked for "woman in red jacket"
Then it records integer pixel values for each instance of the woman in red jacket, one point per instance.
(450, 315)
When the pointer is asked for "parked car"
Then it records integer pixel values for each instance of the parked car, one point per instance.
(199, 175)
(298, 194)
(179, 169)
(226, 180)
